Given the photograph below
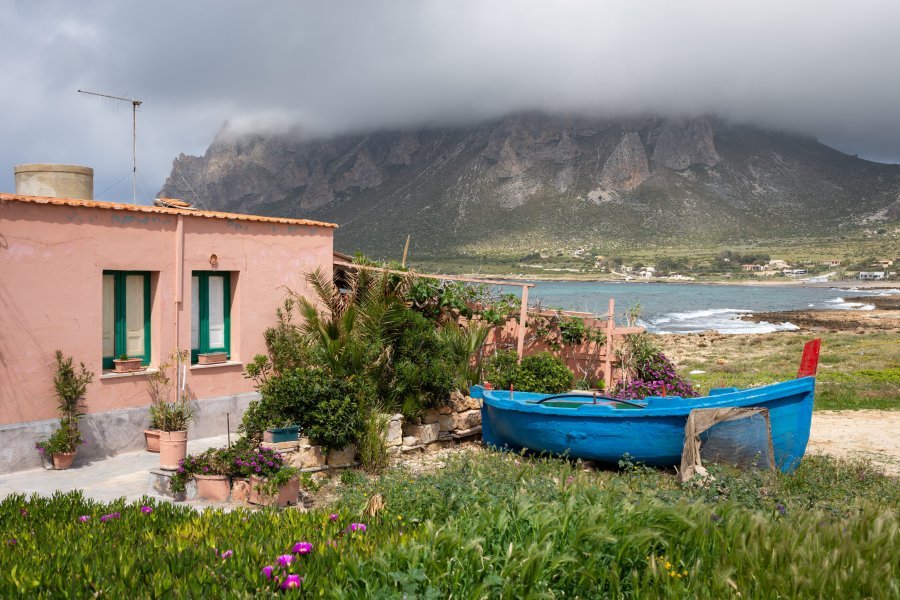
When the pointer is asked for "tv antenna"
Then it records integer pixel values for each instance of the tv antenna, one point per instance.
(134, 105)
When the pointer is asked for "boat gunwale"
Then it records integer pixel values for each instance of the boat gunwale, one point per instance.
(743, 397)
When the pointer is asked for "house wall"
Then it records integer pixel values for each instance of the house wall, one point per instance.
(51, 264)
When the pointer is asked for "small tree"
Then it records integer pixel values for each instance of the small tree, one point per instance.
(70, 385)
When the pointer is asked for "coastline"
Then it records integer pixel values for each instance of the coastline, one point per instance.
(884, 317)
(844, 284)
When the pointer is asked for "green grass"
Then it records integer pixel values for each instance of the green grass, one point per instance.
(855, 371)
(488, 525)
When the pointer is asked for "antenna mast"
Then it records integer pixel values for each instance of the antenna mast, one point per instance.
(134, 105)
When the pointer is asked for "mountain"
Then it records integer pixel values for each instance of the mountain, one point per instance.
(533, 181)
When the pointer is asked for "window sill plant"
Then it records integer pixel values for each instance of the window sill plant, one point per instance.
(123, 364)
(70, 386)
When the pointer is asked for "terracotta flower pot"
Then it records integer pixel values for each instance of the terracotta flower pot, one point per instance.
(240, 489)
(126, 365)
(152, 437)
(172, 449)
(63, 460)
(287, 494)
(214, 488)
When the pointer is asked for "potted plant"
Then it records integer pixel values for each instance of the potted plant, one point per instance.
(287, 433)
(210, 469)
(70, 386)
(173, 417)
(282, 488)
(212, 358)
(124, 364)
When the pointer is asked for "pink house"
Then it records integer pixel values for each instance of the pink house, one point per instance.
(99, 279)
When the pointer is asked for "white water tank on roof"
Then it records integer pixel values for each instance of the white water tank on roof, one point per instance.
(55, 181)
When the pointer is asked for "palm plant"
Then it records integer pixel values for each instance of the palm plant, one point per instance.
(465, 343)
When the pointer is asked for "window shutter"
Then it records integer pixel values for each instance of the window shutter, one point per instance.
(216, 312)
(134, 315)
(195, 312)
(109, 315)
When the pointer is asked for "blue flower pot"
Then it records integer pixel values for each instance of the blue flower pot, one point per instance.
(275, 435)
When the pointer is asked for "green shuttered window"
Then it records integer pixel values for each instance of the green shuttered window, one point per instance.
(126, 316)
(210, 313)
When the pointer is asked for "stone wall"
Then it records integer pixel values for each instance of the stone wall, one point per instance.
(459, 419)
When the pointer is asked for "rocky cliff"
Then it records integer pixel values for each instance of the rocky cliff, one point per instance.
(533, 180)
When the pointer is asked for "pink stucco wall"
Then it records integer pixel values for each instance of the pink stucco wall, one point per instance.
(51, 264)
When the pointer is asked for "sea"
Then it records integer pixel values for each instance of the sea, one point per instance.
(696, 307)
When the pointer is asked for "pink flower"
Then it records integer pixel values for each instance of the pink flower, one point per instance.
(333, 516)
(285, 560)
(291, 582)
(84, 518)
(227, 554)
(146, 509)
(357, 527)
(267, 571)
(302, 548)
(106, 518)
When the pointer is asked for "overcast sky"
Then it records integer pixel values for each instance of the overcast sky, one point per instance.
(827, 69)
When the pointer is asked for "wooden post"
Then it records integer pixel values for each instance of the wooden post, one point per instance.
(523, 324)
(610, 348)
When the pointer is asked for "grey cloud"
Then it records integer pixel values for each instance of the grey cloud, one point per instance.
(819, 68)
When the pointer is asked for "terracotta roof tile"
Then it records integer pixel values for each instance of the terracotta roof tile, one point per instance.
(159, 210)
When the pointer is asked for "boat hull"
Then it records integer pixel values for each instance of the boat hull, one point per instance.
(609, 432)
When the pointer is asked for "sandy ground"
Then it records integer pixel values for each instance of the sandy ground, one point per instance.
(871, 434)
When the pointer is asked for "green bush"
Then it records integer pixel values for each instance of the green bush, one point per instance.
(326, 407)
(542, 372)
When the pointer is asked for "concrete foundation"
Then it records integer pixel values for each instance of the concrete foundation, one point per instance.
(114, 432)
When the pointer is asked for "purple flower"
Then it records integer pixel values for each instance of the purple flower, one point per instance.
(258, 469)
(781, 508)
(357, 527)
(12, 542)
(291, 581)
(181, 469)
(146, 509)
(714, 517)
(333, 516)
(302, 548)
(206, 469)
(24, 512)
(84, 518)
(270, 463)
(285, 560)
(267, 571)
(106, 518)
(227, 554)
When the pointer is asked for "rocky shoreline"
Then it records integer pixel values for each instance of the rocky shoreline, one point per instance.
(884, 317)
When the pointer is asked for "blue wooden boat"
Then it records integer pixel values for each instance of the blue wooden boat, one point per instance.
(649, 431)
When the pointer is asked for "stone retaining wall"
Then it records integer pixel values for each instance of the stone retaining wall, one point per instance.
(459, 419)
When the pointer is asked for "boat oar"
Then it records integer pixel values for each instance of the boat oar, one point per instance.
(593, 401)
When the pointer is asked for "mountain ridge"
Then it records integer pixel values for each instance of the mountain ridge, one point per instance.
(532, 180)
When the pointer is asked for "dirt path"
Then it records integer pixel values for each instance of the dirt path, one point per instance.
(872, 434)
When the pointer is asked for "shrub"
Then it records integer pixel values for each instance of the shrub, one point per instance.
(542, 372)
(325, 406)
(373, 455)
(70, 386)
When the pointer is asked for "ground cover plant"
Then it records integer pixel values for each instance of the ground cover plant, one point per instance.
(488, 525)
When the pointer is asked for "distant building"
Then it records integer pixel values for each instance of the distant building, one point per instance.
(753, 267)
(778, 264)
(831, 263)
(871, 275)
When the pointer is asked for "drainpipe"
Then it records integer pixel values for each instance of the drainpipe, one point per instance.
(179, 274)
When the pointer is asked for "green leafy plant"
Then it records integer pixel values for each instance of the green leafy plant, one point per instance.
(270, 485)
(542, 372)
(166, 414)
(373, 454)
(70, 385)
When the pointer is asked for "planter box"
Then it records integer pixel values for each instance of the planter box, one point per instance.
(276, 435)
(127, 365)
(152, 437)
(287, 494)
(215, 488)
(212, 358)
